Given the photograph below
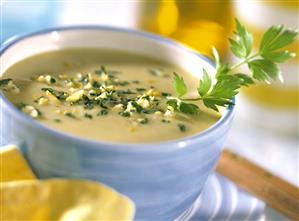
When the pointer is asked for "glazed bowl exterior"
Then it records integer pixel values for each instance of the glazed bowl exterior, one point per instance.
(164, 178)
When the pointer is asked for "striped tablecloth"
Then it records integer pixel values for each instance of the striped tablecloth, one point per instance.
(222, 200)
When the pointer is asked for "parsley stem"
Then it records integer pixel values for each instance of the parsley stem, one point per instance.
(244, 61)
(191, 99)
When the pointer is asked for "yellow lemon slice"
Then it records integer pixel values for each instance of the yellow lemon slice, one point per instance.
(54, 199)
(63, 200)
(13, 166)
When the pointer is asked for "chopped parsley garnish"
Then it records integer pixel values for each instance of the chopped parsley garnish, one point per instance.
(165, 94)
(182, 127)
(60, 95)
(101, 71)
(102, 112)
(139, 109)
(128, 91)
(30, 110)
(70, 115)
(88, 104)
(9, 86)
(4, 82)
(124, 113)
(165, 121)
(21, 105)
(96, 84)
(89, 116)
(122, 83)
(140, 89)
(149, 111)
(52, 80)
(83, 80)
(144, 121)
(57, 120)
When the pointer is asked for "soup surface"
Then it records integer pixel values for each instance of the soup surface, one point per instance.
(103, 95)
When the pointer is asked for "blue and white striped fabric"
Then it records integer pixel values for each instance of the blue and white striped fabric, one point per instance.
(222, 200)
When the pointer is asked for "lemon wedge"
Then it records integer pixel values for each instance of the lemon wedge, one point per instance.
(23, 197)
(63, 200)
(13, 166)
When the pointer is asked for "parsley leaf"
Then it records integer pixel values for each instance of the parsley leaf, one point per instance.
(246, 80)
(278, 56)
(276, 38)
(179, 85)
(188, 108)
(264, 70)
(204, 84)
(242, 45)
(213, 102)
(227, 81)
(173, 103)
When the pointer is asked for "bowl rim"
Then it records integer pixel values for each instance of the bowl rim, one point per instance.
(148, 146)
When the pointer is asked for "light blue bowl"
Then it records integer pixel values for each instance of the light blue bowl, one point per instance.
(163, 179)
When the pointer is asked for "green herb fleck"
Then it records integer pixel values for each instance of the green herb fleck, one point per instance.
(68, 114)
(52, 80)
(102, 112)
(89, 116)
(4, 82)
(57, 120)
(137, 107)
(96, 84)
(122, 83)
(121, 92)
(102, 70)
(60, 95)
(165, 94)
(149, 111)
(140, 89)
(165, 121)
(182, 127)
(21, 105)
(144, 121)
(124, 113)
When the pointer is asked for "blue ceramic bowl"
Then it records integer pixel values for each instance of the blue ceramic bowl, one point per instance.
(163, 179)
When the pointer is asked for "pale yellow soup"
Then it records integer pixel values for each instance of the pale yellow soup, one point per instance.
(104, 95)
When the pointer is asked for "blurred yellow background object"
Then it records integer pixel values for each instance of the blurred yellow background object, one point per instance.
(274, 97)
(199, 24)
(23, 197)
(13, 166)
(64, 200)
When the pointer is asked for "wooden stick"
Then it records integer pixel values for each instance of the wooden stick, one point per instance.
(276, 192)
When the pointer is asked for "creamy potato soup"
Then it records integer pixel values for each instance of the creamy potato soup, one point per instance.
(103, 95)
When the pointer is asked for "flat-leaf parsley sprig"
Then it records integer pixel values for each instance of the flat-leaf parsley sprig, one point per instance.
(262, 65)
